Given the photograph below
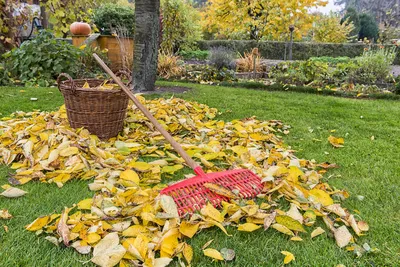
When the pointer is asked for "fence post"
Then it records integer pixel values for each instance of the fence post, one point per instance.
(291, 29)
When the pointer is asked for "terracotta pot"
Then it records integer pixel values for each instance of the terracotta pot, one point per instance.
(80, 28)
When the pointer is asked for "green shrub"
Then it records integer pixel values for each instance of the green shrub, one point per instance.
(180, 26)
(221, 57)
(368, 27)
(194, 54)
(207, 74)
(42, 59)
(374, 65)
(5, 75)
(301, 50)
(313, 72)
(331, 60)
(110, 17)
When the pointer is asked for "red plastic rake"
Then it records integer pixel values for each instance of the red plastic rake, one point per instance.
(190, 194)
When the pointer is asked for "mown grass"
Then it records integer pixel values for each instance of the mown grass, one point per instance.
(368, 168)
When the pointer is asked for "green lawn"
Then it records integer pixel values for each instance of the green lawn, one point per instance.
(369, 168)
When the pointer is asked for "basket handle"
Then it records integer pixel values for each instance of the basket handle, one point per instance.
(71, 81)
(178, 148)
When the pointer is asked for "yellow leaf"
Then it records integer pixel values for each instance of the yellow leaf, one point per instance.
(321, 196)
(140, 165)
(336, 141)
(288, 257)
(130, 175)
(283, 229)
(86, 85)
(188, 253)
(85, 204)
(171, 169)
(213, 253)
(248, 227)
(188, 229)
(168, 204)
(168, 246)
(38, 224)
(317, 232)
(363, 226)
(66, 152)
(296, 238)
(108, 252)
(134, 231)
(239, 150)
(4, 214)
(93, 238)
(212, 212)
(290, 223)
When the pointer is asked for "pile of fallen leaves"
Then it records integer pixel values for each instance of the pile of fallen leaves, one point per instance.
(128, 222)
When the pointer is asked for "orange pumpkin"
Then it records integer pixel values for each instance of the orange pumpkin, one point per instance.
(80, 28)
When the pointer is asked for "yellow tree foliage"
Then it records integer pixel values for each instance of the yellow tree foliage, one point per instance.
(328, 29)
(258, 19)
(62, 13)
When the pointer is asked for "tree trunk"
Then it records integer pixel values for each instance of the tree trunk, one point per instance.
(147, 26)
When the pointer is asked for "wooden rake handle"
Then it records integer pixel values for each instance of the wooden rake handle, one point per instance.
(189, 161)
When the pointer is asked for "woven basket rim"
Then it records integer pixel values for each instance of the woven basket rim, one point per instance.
(66, 88)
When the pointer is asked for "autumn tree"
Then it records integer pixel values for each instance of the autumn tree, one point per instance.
(180, 25)
(262, 19)
(330, 29)
(147, 28)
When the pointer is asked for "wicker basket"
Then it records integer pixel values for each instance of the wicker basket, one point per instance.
(102, 112)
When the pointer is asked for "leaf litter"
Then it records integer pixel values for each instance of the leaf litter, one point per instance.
(128, 223)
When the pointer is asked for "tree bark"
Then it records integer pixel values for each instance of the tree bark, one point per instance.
(147, 27)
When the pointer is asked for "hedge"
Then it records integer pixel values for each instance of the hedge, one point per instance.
(301, 50)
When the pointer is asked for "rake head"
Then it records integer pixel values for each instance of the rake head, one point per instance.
(190, 194)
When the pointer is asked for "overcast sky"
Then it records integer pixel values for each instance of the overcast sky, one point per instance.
(329, 7)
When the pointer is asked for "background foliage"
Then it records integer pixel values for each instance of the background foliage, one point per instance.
(331, 29)
(109, 17)
(256, 20)
(64, 12)
(180, 26)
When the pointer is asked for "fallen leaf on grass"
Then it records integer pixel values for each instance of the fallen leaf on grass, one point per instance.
(207, 244)
(108, 252)
(38, 224)
(269, 220)
(363, 226)
(283, 229)
(290, 223)
(188, 229)
(288, 257)
(213, 253)
(228, 254)
(248, 227)
(13, 192)
(317, 232)
(162, 262)
(62, 228)
(342, 236)
(4, 214)
(336, 141)
(188, 253)
(296, 238)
